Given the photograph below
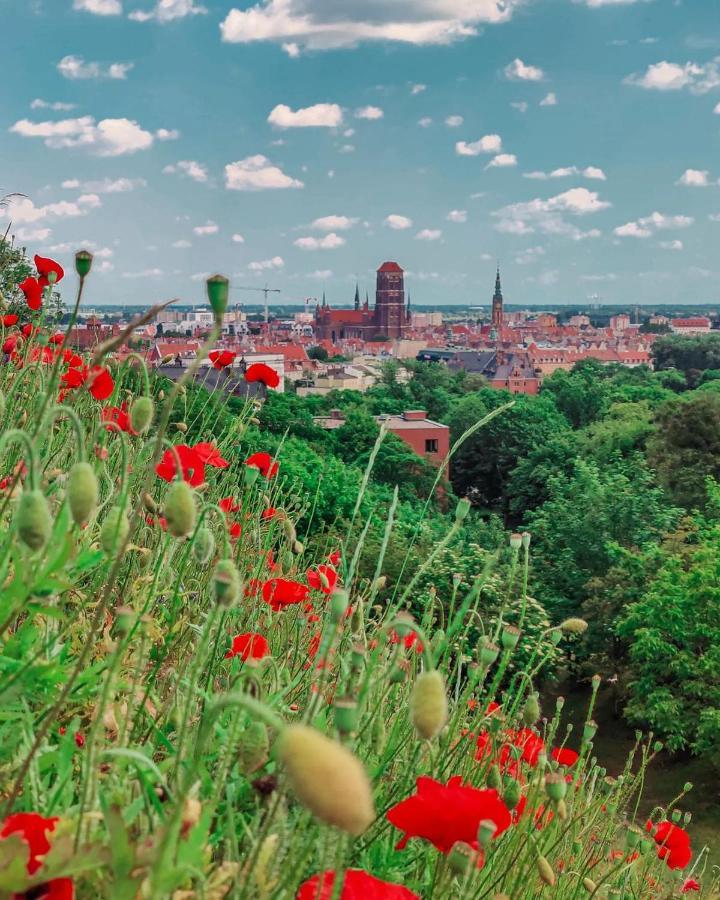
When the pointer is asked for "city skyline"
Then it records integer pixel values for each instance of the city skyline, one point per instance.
(300, 143)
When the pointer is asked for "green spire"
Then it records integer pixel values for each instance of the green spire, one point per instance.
(357, 296)
(498, 288)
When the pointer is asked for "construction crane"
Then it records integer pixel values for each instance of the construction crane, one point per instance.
(266, 290)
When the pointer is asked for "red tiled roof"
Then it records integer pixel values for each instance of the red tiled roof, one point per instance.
(691, 322)
(291, 352)
(351, 316)
(389, 267)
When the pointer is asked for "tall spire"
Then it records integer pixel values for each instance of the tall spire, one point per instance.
(324, 303)
(498, 287)
(497, 303)
(357, 296)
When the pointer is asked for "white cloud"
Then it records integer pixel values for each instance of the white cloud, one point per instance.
(209, 227)
(292, 49)
(592, 279)
(71, 247)
(549, 100)
(189, 167)
(520, 105)
(33, 234)
(99, 7)
(277, 262)
(596, 4)
(502, 161)
(429, 234)
(75, 68)
(238, 239)
(55, 107)
(109, 137)
(490, 143)
(369, 112)
(671, 245)
(346, 148)
(454, 121)
(257, 173)
(167, 134)
(590, 172)
(425, 122)
(145, 273)
(22, 210)
(518, 71)
(694, 178)
(168, 11)
(182, 244)
(666, 76)
(105, 185)
(321, 115)
(398, 223)
(547, 215)
(457, 215)
(417, 89)
(333, 223)
(321, 274)
(717, 110)
(714, 217)
(329, 242)
(319, 25)
(647, 226)
(529, 256)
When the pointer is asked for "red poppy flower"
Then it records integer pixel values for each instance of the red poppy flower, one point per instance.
(409, 641)
(79, 740)
(228, 505)
(33, 829)
(282, 592)
(45, 266)
(118, 415)
(565, 756)
(193, 469)
(268, 513)
(248, 646)
(444, 814)
(264, 462)
(235, 530)
(673, 844)
(71, 359)
(262, 373)
(222, 358)
(10, 343)
(209, 454)
(33, 291)
(96, 379)
(29, 329)
(690, 885)
(334, 558)
(322, 578)
(357, 885)
(9, 320)
(56, 338)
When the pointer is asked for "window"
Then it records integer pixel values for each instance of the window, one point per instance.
(431, 445)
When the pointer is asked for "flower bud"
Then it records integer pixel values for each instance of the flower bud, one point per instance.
(589, 885)
(327, 778)
(462, 509)
(545, 871)
(34, 523)
(82, 492)
(512, 793)
(181, 427)
(180, 509)
(657, 746)
(574, 626)
(203, 546)
(556, 636)
(289, 530)
(298, 549)
(428, 704)
(346, 715)
(141, 414)
(339, 602)
(555, 786)
(379, 583)
(253, 748)
(676, 816)
(115, 529)
(226, 583)
(687, 787)
(531, 712)
(218, 288)
(494, 777)
(515, 541)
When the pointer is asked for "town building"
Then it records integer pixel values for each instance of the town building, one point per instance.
(692, 325)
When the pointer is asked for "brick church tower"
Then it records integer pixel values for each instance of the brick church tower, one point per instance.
(497, 304)
(390, 314)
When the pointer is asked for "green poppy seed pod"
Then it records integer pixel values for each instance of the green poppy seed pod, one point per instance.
(251, 475)
(545, 871)
(83, 262)
(686, 818)
(657, 746)
(428, 704)
(115, 529)
(141, 414)
(687, 787)
(574, 626)
(339, 602)
(327, 778)
(462, 858)
(676, 816)
(525, 536)
(509, 637)
(462, 509)
(512, 793)
(203, 546)
(488, 654)
(218, 289)
(82, 492)
(253, 748)
(346, 715)
(589, 885)
(515, 541)
(531, 712)
(180, 509)
(589, 730)
(494, 777)
(555, 786)
(486, 832)
(226, 582)
(633, 837)
(34, 522)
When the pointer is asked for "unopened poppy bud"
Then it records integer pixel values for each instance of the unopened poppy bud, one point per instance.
(509, 637)
(494, 777)
(556, 636)
(226, 583)
(115, 529)
(555, 786)
(462, 509)
(428, 704)
(287, 560)
(180, 509)
(34, 523)
(687, 787)
(486, 832)
(512, 793)
(346, 715)
(657, 746)
(531, 712)
(181, 427)
(141, 414)
(339, 602)
(298, 549)
(488, 654)
(589, 885)
(545, 871)
(203, 546)
(253, 747)
(462, 858)
(327, 778)
(589, 730)
(82, 492)
(574, 626)
(676, 816)
(525, 539)
(83, 262)
(515, 541)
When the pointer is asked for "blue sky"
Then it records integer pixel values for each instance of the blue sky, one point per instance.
(302, 142)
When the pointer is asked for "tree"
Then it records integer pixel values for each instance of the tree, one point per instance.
(318, 352)
(582, 395)
(685, 448)
(690, 355)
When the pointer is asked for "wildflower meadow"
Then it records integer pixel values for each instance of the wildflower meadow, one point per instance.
(202, 696)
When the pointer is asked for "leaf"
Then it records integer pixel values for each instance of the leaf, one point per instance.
(123, 858)
(13, 861)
